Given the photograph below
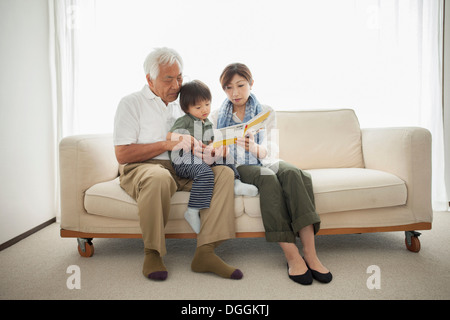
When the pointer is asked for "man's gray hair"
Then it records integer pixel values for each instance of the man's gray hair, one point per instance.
(161, 56)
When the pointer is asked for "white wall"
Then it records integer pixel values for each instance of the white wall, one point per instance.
(27, 177)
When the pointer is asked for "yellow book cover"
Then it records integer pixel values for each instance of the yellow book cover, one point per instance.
(228, 135)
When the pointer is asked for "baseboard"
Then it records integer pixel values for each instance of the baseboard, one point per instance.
(26, 234)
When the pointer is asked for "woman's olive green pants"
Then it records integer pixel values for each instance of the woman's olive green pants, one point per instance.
(286, 199)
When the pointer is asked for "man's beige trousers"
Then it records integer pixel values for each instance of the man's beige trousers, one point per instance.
(153, 183)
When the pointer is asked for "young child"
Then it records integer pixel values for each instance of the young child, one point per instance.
(195, 101)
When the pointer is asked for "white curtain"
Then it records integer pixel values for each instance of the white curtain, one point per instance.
(382, 58)
(62, 63)
(431, 93)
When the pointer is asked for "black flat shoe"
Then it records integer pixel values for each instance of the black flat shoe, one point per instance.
(304, 279)
(321, 277)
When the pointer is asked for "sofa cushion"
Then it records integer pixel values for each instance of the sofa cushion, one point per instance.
(335, 190)
(110, 200)
(355, 189)
(320, 139)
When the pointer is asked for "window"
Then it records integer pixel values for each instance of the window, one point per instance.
(365, 55)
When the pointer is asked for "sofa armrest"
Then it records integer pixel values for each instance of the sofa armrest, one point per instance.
(84, 160)
(406, 153)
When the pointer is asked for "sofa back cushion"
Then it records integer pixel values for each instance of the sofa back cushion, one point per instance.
(320, 138)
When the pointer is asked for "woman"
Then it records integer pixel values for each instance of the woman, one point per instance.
(286, 194)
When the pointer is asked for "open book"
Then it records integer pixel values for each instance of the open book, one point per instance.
(228, 135)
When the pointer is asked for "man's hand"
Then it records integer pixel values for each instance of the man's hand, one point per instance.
(220, 152)
(182, 141)
(208, 154)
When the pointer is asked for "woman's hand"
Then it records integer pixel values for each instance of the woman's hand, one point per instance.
(249, 144)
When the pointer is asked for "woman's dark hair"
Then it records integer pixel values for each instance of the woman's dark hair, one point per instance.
(192, 93)
(232, 69)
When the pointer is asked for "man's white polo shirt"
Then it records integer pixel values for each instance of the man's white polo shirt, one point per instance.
(142, 117)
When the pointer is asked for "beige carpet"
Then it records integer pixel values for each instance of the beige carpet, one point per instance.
(36, 268)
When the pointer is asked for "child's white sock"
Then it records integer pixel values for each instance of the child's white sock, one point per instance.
(192, 216)
(244, 189)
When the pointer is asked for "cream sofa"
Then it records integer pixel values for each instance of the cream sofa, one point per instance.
(367, 180)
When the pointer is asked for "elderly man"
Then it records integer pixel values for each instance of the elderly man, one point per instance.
(141, 124)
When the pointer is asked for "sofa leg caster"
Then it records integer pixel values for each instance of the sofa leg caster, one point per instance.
(85, 247)
(412, 241)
